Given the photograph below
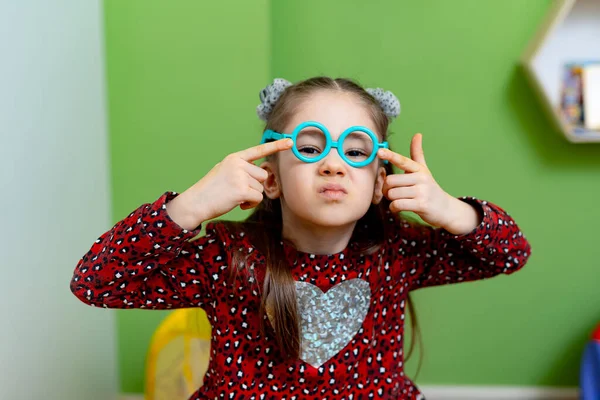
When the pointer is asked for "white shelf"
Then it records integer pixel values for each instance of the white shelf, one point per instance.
(570, 33)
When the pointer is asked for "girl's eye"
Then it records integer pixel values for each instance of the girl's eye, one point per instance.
(309, 150)
(356, 153)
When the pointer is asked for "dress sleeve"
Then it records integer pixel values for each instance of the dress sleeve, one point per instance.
(434, 256)
(147, 261)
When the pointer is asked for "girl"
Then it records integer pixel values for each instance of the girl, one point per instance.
(306, 297)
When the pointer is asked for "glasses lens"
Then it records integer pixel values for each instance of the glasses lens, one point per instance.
(311, 142)
(358, 146)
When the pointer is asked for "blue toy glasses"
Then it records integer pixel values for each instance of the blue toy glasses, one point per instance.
(357, 145)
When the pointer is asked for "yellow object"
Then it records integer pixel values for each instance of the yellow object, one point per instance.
(178, 355)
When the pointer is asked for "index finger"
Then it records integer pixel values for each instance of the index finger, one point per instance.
(265, 149)
(404, 163)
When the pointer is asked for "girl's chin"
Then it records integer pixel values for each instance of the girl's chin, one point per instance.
(326, 213)
(333, 218)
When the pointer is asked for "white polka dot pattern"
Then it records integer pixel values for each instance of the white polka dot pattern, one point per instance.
(147, 261)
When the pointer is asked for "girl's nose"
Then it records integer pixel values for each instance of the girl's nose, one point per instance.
(332, 164)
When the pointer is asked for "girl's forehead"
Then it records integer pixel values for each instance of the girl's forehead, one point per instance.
(336, 110)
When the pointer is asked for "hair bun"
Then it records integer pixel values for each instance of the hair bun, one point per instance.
(269, 97)
(387, 100)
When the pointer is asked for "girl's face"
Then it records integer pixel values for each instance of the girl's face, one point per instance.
(329, 192)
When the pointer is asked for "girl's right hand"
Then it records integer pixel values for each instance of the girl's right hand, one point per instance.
(233, 182)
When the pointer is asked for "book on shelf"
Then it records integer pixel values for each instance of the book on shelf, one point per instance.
(580, 95)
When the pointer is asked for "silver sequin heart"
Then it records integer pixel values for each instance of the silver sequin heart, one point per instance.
(328, 321)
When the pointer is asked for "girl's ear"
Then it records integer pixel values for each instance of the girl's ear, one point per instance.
(271, 184)
(379, 181)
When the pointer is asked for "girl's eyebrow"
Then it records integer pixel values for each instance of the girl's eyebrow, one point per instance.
(312, 129)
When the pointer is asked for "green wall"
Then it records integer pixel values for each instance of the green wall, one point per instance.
(183, 79)
(183, 86)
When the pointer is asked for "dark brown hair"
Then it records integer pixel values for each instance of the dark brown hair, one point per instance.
(264, 225)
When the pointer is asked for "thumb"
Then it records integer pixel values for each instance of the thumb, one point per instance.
(416, 149)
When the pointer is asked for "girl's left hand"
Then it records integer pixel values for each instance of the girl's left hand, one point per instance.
(415, 190)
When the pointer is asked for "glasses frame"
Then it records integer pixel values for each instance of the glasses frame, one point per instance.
(329, 143)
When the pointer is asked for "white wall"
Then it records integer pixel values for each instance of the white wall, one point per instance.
(54, 200)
